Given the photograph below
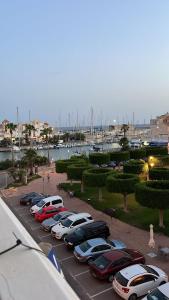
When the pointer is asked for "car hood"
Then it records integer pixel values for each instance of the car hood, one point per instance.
(71, 237)
(59, 227)
(117, 244)
(79, 251)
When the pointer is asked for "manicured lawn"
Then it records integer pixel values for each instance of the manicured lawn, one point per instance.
(137, 215)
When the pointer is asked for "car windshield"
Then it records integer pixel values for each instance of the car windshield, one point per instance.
(40, 203)
(40, 211)
(66, 222)
(150, 270)
(85, 246)
(157, 295)
(79, 232)
(57, 217)
(101, 262)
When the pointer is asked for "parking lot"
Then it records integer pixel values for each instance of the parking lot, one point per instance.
(76, 273)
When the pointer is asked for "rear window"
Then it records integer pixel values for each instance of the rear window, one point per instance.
(85, 246)
(121, 279)
(57, 217)
(101, 262)
(41, 203)
(157, 295)
(66, 222)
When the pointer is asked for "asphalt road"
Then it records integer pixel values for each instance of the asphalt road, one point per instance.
(77, 274)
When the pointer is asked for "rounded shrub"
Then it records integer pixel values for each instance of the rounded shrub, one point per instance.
(99, 158)
(121, 183)
(137, 153)
(5, 164)
(75, 171)
(96, 177)
(134, 166)
(163, 159)
(61, 165)
(119, 156)
(156, 151)
(159, 174)
(153, 194)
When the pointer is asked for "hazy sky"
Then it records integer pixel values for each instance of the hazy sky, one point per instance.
(62, 57)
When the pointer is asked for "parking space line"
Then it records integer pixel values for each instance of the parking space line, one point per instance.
(104, 291)
(43, 236)
(84, 272)
(66, 258)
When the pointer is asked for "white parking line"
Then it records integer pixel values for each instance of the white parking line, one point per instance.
(43, 236)
(63, 259)
(84, 272)
(104, 291)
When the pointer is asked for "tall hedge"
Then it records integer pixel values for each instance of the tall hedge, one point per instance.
(164, 160)
(96, 178)
(134, 167)
(119, 156)
(156, 151)
(159, 174)
(75, 172)
(123, 184)
(154, 194)
(137, 153)
(61, 165)
(99, 158)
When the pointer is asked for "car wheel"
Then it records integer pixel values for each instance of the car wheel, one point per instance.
(133, 297)
(110, 278)
(163, 282)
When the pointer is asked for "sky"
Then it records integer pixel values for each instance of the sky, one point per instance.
(63, 59)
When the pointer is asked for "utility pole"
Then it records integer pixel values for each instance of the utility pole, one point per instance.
(18, 125)
(91, 121)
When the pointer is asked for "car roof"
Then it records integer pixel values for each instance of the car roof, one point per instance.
(164, 288)
(94, 224)
(75, 217)
(51, 198)
(115, 254)
(133, 271)
(96, 242)
(50, 208)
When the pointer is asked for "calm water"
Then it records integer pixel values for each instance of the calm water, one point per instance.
(62, 153)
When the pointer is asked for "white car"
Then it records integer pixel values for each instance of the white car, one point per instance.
(137, 280)
(68, 225)
(160, 293)
(56, 201)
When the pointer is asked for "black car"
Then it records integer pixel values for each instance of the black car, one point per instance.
(86, 232)
(26, 199)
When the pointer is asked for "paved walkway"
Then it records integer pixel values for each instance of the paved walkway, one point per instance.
(132, 236)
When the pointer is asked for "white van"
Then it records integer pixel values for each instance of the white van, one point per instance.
(56, 201)
(64, 227)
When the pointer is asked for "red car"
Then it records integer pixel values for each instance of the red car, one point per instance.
(105, 266)
(48, 212)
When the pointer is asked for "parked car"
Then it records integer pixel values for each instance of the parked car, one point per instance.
(86, 232)
(108, 264)
(56, 201)
(91, 249)
(68, 225)
(26, 199)
(36, 199)
(49, 223)
(47, 212)
(160, 293)
(137, 280)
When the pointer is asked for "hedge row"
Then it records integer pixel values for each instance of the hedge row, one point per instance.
(159, 174)
(134, 167)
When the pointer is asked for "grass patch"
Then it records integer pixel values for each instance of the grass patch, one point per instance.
(18, 184)
(137, 215)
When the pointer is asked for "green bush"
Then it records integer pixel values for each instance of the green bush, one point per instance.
(150, 151)
(99, 158)
(164, 160)
(137, 153)
(153, 194)
(121, 183)
(119, 156)
(75, 172)
(61, 165)
(159, 174)
(134, 166)
(96, 177)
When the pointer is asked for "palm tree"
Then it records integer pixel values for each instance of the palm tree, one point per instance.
(124, 129)
(29, 158)
(11, 127)
(45, 133)
(28, 131)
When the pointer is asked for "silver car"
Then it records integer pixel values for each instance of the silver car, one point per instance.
(160, 293)
(137, 280)
(49, 223)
